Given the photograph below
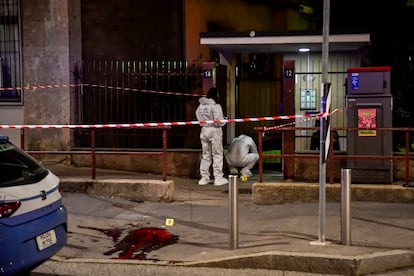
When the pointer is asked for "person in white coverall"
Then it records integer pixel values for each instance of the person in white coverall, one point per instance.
(242, 154)
(211, 137)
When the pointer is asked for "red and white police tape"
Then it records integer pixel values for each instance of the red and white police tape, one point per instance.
(306, 119)
(160, 124)
(144, 90)
(34, 87)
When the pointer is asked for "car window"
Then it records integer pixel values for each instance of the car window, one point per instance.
(18, 168)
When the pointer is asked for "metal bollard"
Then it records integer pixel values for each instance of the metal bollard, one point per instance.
(346, 206)
(233, 213)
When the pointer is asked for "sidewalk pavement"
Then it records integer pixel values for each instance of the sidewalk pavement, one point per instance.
(289, 236)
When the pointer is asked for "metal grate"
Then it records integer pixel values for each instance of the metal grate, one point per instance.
(101, 104)
(10, 52)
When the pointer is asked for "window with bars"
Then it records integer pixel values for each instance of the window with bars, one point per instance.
(10, 52)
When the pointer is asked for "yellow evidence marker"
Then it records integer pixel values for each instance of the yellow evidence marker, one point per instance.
(169, 222)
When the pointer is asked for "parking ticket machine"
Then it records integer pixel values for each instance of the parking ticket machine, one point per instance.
(368, 107)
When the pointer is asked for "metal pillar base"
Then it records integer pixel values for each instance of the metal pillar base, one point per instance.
(320, 243)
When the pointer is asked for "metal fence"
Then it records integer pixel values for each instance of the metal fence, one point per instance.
(93, 152)
(404, 155)
(132, 92)
(10, 52)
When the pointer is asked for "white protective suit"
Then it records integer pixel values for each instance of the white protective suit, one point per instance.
(242, 154)
(211, 137)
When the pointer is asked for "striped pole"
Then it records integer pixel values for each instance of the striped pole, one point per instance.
(325, 121)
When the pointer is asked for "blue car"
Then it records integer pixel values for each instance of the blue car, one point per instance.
(33, 220)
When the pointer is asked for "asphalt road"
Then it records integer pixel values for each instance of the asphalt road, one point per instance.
(100, 212)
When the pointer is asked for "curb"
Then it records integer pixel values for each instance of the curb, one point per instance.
(137, 190)
(262, 193)
(282, 192)
(275, 260)
(317, 263)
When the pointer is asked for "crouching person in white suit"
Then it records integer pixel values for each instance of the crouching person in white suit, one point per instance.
(242, 154)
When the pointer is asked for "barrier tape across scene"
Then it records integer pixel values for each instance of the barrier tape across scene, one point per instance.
(163, 124)
(35, 87)
(148, 124)
(306, 119)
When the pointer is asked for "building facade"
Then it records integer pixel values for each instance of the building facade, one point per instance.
(52, 41)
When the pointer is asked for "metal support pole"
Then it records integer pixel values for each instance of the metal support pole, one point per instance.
(260, 140)
(407, 158)
(164, 154)
(322, 164)
(233, 213)
(22, 138)
(93, 155)
(346, 206)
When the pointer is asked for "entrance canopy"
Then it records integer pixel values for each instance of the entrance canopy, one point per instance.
(252, 42)
(229, 45)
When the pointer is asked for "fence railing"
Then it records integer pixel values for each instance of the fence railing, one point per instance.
(405, 156)
(332, 156)
(93, 151)
(97, 101)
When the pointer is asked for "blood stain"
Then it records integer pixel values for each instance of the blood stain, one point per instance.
(138, 242)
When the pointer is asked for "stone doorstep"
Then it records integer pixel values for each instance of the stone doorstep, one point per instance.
(130, 189)
(282, 192)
